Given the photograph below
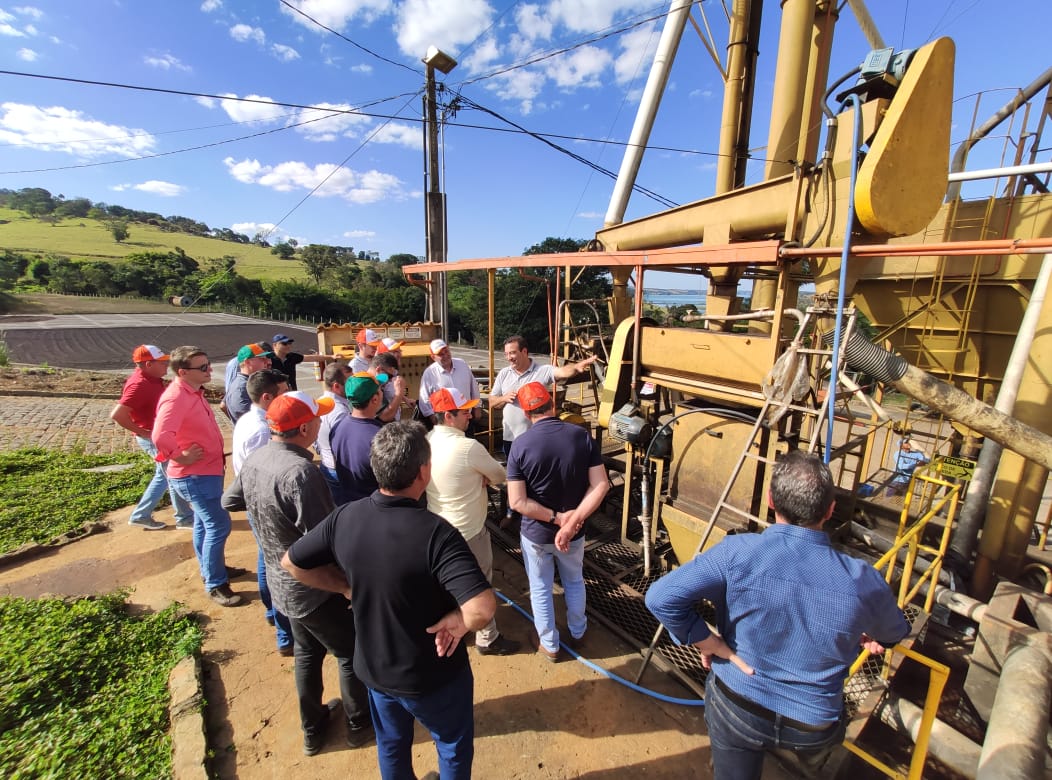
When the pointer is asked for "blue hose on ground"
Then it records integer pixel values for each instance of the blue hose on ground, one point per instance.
(604, 672)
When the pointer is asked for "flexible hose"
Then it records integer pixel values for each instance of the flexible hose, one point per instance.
(627, 683)
(865, 356)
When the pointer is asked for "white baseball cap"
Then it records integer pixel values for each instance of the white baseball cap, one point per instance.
(437, 346)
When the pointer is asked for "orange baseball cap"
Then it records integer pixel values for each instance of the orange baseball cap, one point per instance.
(533, 396)
(291, 410)
(368, 336)
(388, 345)
(144, 353)
(449, 399)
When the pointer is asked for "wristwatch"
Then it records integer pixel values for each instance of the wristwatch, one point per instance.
(552, 521)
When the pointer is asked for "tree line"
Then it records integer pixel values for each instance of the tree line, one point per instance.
(344, 285)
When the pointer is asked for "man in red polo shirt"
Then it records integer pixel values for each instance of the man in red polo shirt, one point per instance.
(135, 412)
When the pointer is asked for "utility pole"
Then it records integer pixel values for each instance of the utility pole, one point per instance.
(435, 199)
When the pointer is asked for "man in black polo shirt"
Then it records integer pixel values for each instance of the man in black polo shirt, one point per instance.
(556, 480)
(415, 590)
(285, 360)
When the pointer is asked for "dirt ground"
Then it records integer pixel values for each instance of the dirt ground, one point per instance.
(533, 719)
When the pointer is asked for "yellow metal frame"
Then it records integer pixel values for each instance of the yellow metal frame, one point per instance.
(909, 536)
(937, 677)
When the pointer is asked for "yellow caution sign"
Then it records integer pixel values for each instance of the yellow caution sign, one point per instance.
(959, 468)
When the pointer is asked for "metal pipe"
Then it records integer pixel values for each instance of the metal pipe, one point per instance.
(945, 744)
(676, 20)
(997, 246)
(1015, 744)
(878, 542)
(961, 155)
(732, 130)
(978, 497)
(790, 74)
(997, 173)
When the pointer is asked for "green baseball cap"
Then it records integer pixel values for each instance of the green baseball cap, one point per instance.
(361, 387)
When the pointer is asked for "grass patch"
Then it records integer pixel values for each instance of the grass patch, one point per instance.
(46, 493)
(91, 239)
(83, 687)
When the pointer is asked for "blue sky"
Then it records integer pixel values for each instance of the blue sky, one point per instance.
(505, 190)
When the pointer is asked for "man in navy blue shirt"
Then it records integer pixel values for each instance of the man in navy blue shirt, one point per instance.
(351, 436)
(792, 612)
(556, 480)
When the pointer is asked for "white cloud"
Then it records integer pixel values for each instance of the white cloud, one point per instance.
(211, 5)
(483, 55)
(352, 186)
(521, 85)
(403, 135)
(31, 30)
(284, 53)
(328, 126)
(359, 234)
(590, 15)
(8, 30)
(362, 68)
(244, 32)
(207, 102)
(447, 24)
(163, 188)
(49, 129)
(252, 228)
(335, 13)
(636, 53)
(580, 68)
(590, 215)
(27, 55)
(165, 62)
(30, 11)
(259, 109)
(532, 24)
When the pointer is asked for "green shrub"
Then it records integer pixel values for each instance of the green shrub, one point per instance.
(83, 687)
(47, 493)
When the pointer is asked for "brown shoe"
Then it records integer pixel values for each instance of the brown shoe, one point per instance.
(575, 643)
(547, 655)
(223, 596)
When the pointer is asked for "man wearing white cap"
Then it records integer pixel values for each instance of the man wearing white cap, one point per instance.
(461, 468)
(280, 487)
(447, 372)
(365, 343)
(135, 412)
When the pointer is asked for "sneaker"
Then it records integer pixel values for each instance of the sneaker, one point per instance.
(287, 650)
(575, 643)
(313, 743)
(500, 646)
(548, 655)
(223, 596)
(360, 736)
(233, 572)
(186, 525)
(148, 524)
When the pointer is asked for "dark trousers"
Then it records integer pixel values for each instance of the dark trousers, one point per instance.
(738, 738)
(329, 628)
(448, 713)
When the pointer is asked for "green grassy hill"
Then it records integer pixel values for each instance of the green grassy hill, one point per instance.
(90, 239)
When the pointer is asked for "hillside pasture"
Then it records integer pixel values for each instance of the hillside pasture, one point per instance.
(90, 239)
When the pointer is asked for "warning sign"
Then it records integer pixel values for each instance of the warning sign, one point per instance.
(959, 468)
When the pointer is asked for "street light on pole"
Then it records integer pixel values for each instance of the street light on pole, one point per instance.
(434, 198)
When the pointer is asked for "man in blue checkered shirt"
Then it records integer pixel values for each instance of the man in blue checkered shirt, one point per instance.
(791, 614)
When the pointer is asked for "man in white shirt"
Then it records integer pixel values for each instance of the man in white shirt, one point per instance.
(461, 468)
(335, 379)
(251, 432)
(365, 343)
(447, 372)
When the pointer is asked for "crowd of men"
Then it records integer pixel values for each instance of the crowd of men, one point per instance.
(379, 554)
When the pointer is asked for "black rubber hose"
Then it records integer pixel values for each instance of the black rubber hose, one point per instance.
(863, 355)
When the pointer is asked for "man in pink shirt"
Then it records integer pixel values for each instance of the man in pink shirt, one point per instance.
(135, 412)
(187, 435)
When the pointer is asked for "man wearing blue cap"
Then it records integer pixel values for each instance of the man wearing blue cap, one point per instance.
(351, 437)
(285, 360)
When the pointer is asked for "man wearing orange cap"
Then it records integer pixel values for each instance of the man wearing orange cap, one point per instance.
(556, 480)
(135, 412)
(365, 343)
(287, 496)
(461, 468)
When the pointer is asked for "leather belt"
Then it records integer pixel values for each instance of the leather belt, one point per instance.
(770, 715)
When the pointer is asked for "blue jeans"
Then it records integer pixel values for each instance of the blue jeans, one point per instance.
(152, 495)
(274, 616)
(738, 738)
(328, 629)
(540, 561)
(211, 524)
(448, 713)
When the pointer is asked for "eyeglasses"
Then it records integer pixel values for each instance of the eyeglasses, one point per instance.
(205, 367)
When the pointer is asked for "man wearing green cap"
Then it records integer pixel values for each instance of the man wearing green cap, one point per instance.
(351, 437)
(250, 359)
